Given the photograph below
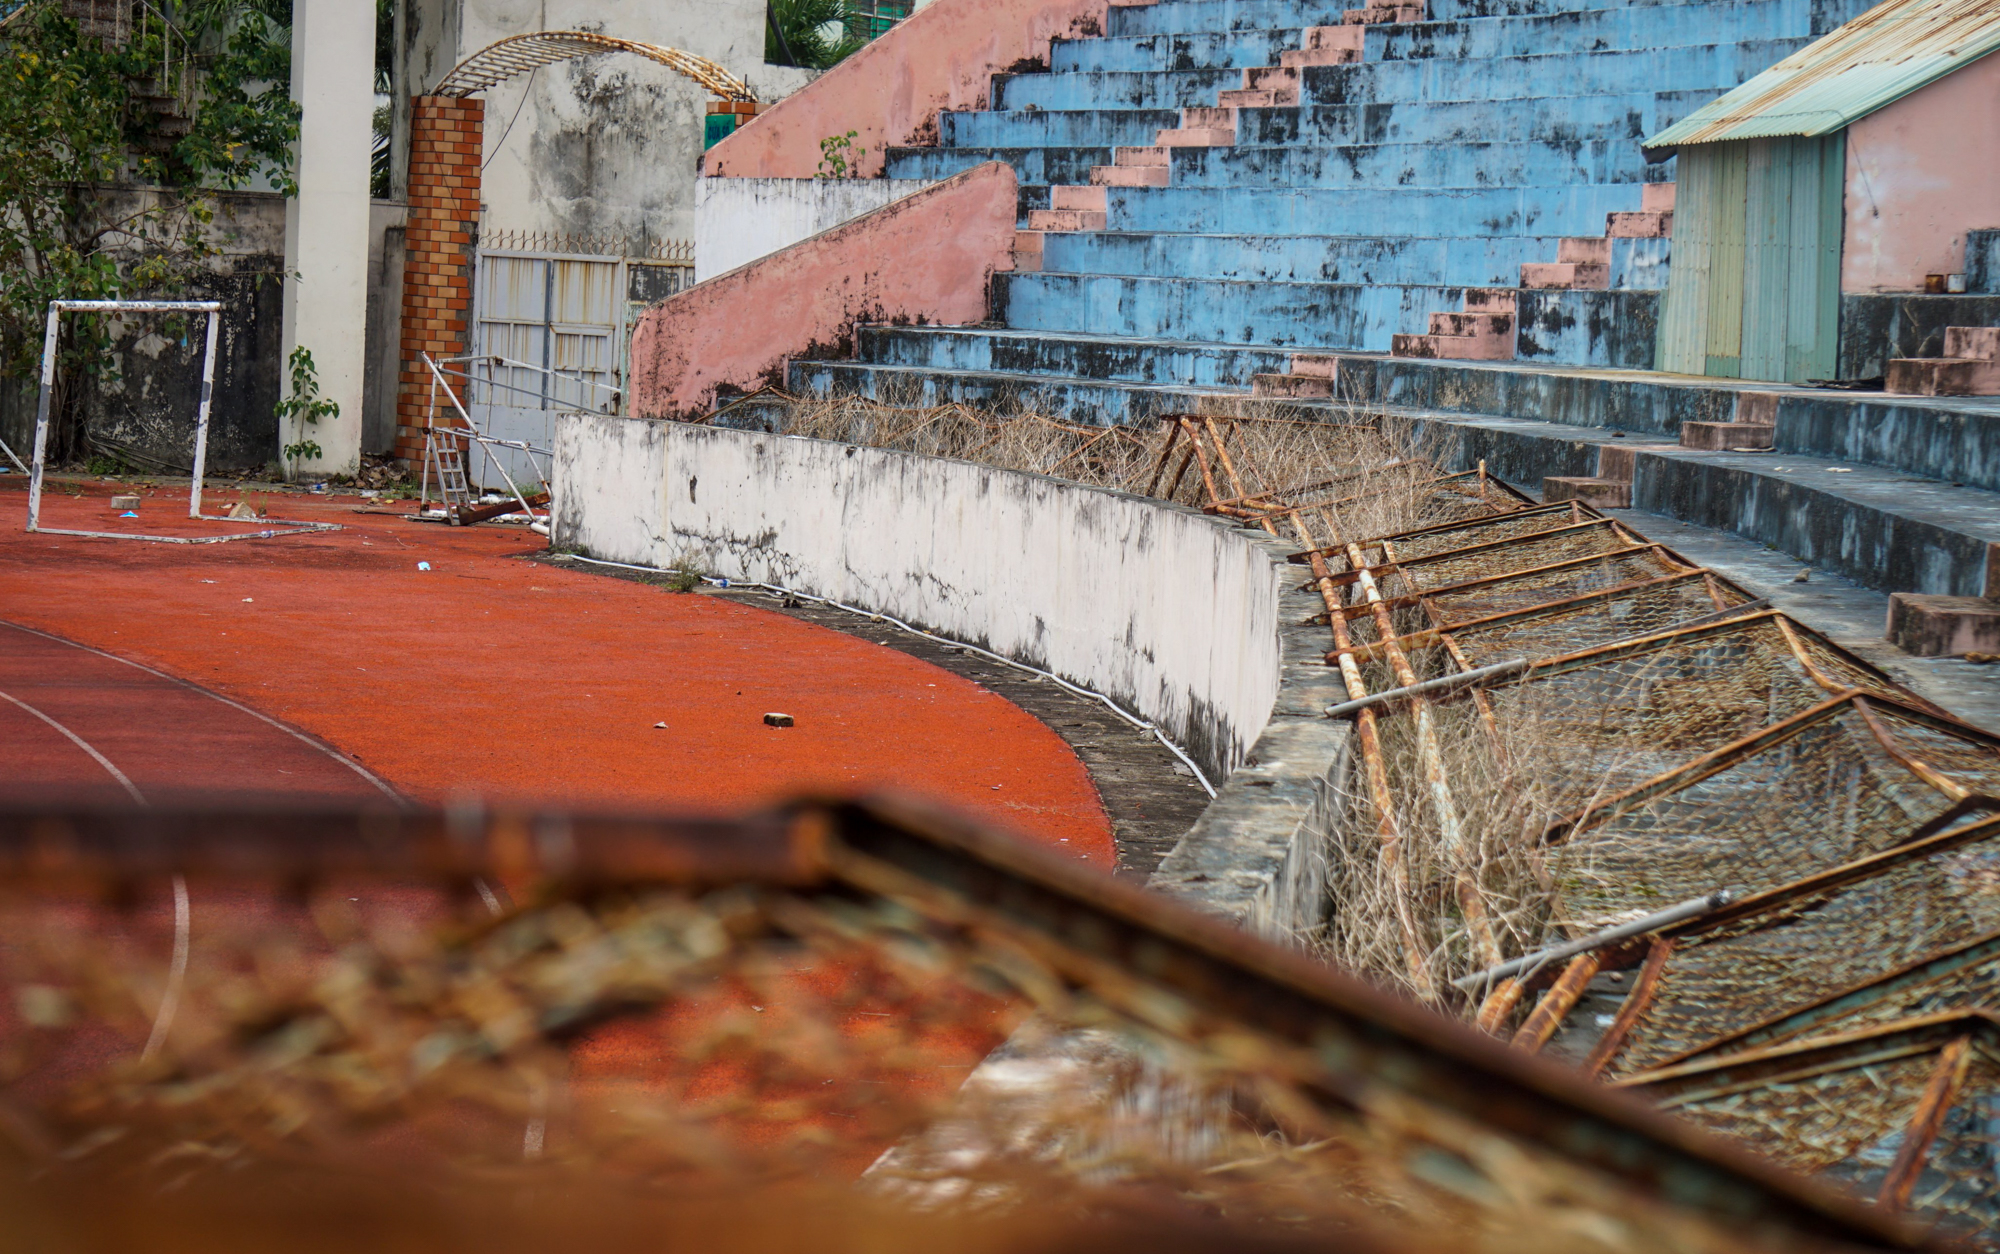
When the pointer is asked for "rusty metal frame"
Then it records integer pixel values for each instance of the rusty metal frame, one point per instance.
(1140, 952)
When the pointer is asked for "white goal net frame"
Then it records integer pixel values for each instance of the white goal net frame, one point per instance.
(36, 464)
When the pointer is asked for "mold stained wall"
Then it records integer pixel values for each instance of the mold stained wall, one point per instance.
(1920, 173)
(602, 146)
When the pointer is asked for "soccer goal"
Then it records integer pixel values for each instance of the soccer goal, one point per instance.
(213, 310)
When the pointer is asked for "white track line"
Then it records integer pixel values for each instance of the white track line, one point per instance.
(294, 732)
(170, 1001)
(137, 796)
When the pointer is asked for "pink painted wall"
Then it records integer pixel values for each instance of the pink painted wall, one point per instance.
(940, 57)
(1920, 173)
(929, 257)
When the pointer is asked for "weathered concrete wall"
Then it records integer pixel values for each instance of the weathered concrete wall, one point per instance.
(926, 258)
(145, 408)
(1183, 618)
(736, 221)
(605, 147)
(1920, 174)
(889, 93)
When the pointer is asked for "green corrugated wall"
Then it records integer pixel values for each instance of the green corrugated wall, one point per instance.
(1754, 291)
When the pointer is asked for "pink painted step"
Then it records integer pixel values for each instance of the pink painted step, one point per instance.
(1130, 175)
(1216, 119)
(1028, 251)
(1325, 365)
(1265, 87)
(1134, 157)
(1066, 220)
(1645, 224)
(1484, 331)
(1196, 137)
(1075, 197)
(1722, 437)
(1657, 198)
(1298, 387)
(1596, 493)
(1970, 366)
(1580, 276)
(1326, 45)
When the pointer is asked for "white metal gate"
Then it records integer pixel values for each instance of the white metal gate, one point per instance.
(565, 317)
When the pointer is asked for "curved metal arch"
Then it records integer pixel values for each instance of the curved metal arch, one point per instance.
(517, 54)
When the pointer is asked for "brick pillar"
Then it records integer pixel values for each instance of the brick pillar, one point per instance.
(446, 138)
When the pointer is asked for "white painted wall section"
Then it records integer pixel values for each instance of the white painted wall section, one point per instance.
(1169, 612)
(736, 221)
(326, 224)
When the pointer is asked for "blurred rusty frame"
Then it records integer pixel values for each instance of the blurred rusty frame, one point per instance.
(1127, 945)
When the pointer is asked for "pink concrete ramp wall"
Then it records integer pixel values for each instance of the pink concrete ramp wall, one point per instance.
(940, 57)
(929, 257)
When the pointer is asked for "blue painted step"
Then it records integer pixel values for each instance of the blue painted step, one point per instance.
(1629, 117)
(1441, 212)
(1418, 165)
(1047, 128)
(1117, 359)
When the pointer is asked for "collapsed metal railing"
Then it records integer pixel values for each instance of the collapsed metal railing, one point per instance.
(1821, 825)
(676, 1006)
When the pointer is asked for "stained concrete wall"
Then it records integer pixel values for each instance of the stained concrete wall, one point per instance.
(604, 147)
(736, 221)
(1920, 174)
(941, 57)
(1184, 618)
(929, 257)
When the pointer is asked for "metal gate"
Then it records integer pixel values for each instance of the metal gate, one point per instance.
(553, 325)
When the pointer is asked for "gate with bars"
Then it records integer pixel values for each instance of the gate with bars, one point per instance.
(554, 319)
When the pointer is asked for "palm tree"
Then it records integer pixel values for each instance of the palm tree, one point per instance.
(812, 34)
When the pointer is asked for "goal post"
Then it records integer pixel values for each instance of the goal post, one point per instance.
(36, 464)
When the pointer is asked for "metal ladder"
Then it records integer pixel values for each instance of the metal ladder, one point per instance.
(448, 460)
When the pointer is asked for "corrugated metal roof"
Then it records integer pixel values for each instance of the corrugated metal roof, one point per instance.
(1876, 59)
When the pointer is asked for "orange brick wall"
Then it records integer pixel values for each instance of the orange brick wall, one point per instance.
(446, 139)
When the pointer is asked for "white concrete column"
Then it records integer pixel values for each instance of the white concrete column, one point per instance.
(326, 224)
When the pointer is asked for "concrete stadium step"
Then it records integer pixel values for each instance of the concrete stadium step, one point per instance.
(1970, 366)
(1095, 401)
(1174, 17)
(1454, 262)
(1706, 67)
(1051, 165)
(1415, 165)
(1951, 440)
(1047, 128)
(1577, 209)
(1112, 359)
(1827, 14)
(1361, 317)
(1193, 50)
(1628, 117)
(1719, 66)
(1590, 30)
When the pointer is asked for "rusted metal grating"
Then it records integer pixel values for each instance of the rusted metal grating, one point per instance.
(690, 1005)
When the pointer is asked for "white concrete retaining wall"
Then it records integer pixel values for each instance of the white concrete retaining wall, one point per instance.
(1176, 615)
(737, 221)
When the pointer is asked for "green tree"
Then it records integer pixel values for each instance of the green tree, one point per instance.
(194, 100)
(813, 34)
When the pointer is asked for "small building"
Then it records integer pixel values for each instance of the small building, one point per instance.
(1816, 197)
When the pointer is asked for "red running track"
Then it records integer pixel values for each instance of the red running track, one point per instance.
(486, 675)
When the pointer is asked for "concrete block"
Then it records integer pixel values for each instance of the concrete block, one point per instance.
(1201, 137)
(1940, 626)
(1616, 462)
(1489, 300)
(1943, 376)
(1066, 220)
(1204, 118)
(126, 502)
(1657, 198)
(1324, 365)
(1375, 16)
(1130, 175)
(1483, 324)
(1452, 347)
(1335, 38)
(1292, 386)
(1585, 276)
(1980, 343)
(1135, 157)
(1072, 197)
(1027, 251)
(1248, 98)
(1596, 493)
(1757, 407)
(1723, 436)
(1641, 225)
(1585, 250)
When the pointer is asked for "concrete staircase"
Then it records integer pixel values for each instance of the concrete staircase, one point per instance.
(1230, 203)
(1970, 366)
